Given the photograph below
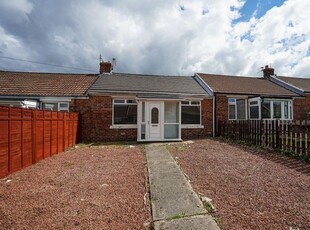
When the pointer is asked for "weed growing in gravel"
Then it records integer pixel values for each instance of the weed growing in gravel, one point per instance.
(68, 164)
(208, 207)
(179, 216)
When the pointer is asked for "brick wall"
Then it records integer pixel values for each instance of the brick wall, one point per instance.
(95, 119)
(206, 121)
(301, 106)
(221, 108)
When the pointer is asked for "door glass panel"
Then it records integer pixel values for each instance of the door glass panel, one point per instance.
(171, 131)
(143, 111)
(171, 112)
(154, 116)
(142, 131)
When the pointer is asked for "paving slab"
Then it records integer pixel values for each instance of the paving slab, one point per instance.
(172, 198)
(187, 223)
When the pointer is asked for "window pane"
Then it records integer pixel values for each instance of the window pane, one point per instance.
(119, 101)
(63, 105)
(154, 116)
(131, 101)
(190, 114)
(125, 114)
(276, 109)
(266, 114)
(171, 131)
(286, 110)
(253, 102)
(171, 112)
(50, 106)
(231, 100)
(232, 112)
(195, 103)
(185, 102)
(254, 113)
(241, 109)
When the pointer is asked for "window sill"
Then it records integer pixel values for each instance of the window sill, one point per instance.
(123, 126)
(192, 126)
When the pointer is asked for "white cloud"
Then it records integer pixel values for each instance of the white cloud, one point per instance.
(160, 37)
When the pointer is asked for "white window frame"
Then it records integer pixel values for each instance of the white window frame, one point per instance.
(58, 105)
(125, 102)
(190, 103)
(234, 102)
(258, 100)
(290, 109)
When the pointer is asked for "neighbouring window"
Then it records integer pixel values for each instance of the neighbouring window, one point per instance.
(50, 106)
(277, 109)
(190, 112)
(56, 106)
(266, 110)
(254, 109)
(236, 109)
(124, 112)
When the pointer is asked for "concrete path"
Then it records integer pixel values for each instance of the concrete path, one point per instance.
(174, 203)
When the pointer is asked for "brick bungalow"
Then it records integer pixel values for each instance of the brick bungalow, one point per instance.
(250, 98)
(144, 108)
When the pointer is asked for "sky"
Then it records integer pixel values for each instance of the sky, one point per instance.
(233, 37)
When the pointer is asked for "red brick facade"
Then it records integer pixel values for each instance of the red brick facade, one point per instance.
(206, 121)
(221, 108)
(301, 107)
(95, 116)
(95, 119)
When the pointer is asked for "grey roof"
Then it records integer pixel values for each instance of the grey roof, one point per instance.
(138, 83)
(301, 83)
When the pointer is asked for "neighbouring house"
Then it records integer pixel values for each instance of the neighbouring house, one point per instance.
(144, 108)
(301, 105)
(249, 98)
(51, 91)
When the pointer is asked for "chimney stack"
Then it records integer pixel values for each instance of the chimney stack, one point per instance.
(105, 67)
(268, 71)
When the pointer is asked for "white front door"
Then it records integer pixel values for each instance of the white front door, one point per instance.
(155, 120)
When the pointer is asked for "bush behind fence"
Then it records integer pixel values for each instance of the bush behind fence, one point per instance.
(287, 136)
(28, 136)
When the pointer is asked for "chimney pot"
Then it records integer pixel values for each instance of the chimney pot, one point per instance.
(268, 71)
(105, 67)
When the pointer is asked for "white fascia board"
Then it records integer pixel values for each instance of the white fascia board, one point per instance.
(203, 84)
(286, 85)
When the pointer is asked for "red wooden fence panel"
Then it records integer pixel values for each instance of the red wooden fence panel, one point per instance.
(28, 136)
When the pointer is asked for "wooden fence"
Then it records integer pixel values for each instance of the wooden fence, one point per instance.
(288, 136)
(28, 136)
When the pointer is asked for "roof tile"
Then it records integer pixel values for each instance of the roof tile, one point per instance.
(244, 85)
(44, 84)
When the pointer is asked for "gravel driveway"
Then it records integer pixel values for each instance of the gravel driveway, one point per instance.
(100, 187)
(250, 190)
